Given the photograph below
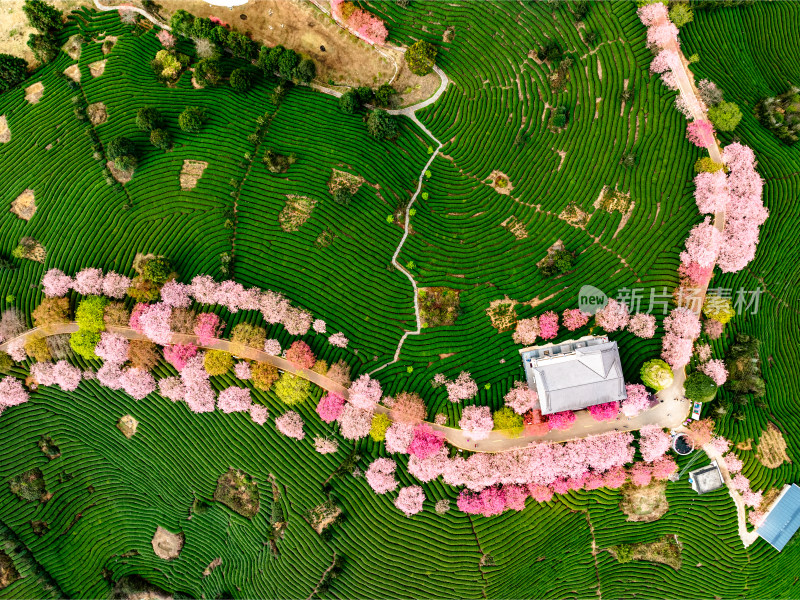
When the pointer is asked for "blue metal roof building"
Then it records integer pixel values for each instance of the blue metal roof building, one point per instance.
(783, 520)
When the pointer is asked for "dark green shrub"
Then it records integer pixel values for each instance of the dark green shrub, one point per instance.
(192, 119)
(342, 196)
(287, 63)
(161, 139)
(157, 270)
(383, 95)
(12, 71)
(242, 80)
(43, 16)
(699, 387)
(208, 71)
(349, 102)
(120, 146)
(306, 71)
(182, 22)
(421, 57)
(149, 118)
(381, 125)
(43, 46)
(240, 45)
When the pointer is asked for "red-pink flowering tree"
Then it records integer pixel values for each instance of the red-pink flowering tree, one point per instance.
(88, 282)
(361, 23)
(702, 245)
(56, 284)
(521, 398)
(178, 354)
(354, 423)
(166, 38)
(664, 467)
(548, 325)
(700, 133)
(398, 437)
(409, 500)
(607, 411)
(613, 316)
(638, 400)
(711, 192)
(462, 388)
(135, 319)
(259, 414)
(301, 355)
(234, 399)
(330, 406)
(561, 420)
(527, 331)
(112, 348)
(155, 323)
(540, 493)
(653, 442)
(476, 421)
(716, 370)
(207, 326)
(365, 392)
(694, 274)
(515, 496)
(291, 424)
(615, 478)
(380, 475)
(12, 392)
(426, 441)
(574, 318)
(177, 295)
(642, 325)
(641, 474)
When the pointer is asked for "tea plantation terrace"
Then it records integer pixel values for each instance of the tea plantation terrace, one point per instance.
(575, 374)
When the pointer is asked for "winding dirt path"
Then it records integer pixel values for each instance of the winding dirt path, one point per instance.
(99, 6)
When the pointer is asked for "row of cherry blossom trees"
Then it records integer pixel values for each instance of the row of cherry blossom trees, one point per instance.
(361, 23)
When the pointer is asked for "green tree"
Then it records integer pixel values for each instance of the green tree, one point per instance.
(158, 270)
(84, 343)
(120, 146)
(240, 45)
(208, 71)
(5, 363)
(242, 79)
(182, 22)
(12, 71)
(89, 314)
(43, 16)
(43, 47)
(381, 125)
(725, 116)
(191, 120)
(149, 118)
(268, 59)
(349, 102)
(161, 139)
(307, 70)
(365, 94)
(292, 389)
(624, 553)
(287, 63)
(219, 36)
(218, 362)
(377, 430)
(202, 28)
(342, 195)
(383, 95)
(421, 57)
(699, 387)
(507, 419)
(656, 374)
(681, 14)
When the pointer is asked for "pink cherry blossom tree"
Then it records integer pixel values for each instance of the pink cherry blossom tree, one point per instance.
(664, 467)
(409, 500)
(711, 192)
(716, 370)
(296, 321)
(574, 318)
(713, 328)
(330, 407)
(110, 375)
(291, 424)
(641, 474)
(613, 316)
(521, 398)
(112, 348)
(398, 437)
(56, 284)
(325, 445)
(204, 289)
(638, 400)
(733, 462)
(12, 392)
(642, 325)
(273, 306)
(354, 422)
(527, 331)
(258, 414)
(365, 392)
(380, 475)
(607, 411)
(677, 351)
(548, 325)
(88, 282)
(702, 352)
(234, 399)
(172, 388)
(683, 323)
(561, 420)
(242, 370)
(166, 38)
(752, 499)
(660, 36)
(319, 326)
(651, 14)
(428, 468)
(176, 295)
(155, 323)
(665, 61)
(700, 133)
(540, 493)
(740, 483)
(338, 340)
(702, 245)
(476, 421)
(137, 383)
(462, 388)
(653, 442)
(115, 285)
(719, 444)
(178, 355)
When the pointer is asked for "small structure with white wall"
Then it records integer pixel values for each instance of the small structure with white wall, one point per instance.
(706, 479)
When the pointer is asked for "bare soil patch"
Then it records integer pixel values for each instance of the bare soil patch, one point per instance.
(666, 550)
(558, 246)
(108, 42)
(211, 566)
(167, 545)
(644, 504)
(5, 132)
(14, 28)
(97, 113)
(771, 450)
(502, 314)
(97, 68)
(515, 227)
(574, 215)
(343, 179)
(122, 176)
(24, 205)
(127, 425)
(237, 490)
(34, 92)
(438, 306)
(8, 573)
(500, 182)
(191, 172)
(73, 46)
(30, 249)
(323, 516)
(297, 211)
(746, 445)
(73, 72)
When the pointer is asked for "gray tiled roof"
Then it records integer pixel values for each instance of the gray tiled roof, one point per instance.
(575, 375)
(706, 479)
(783, 520)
